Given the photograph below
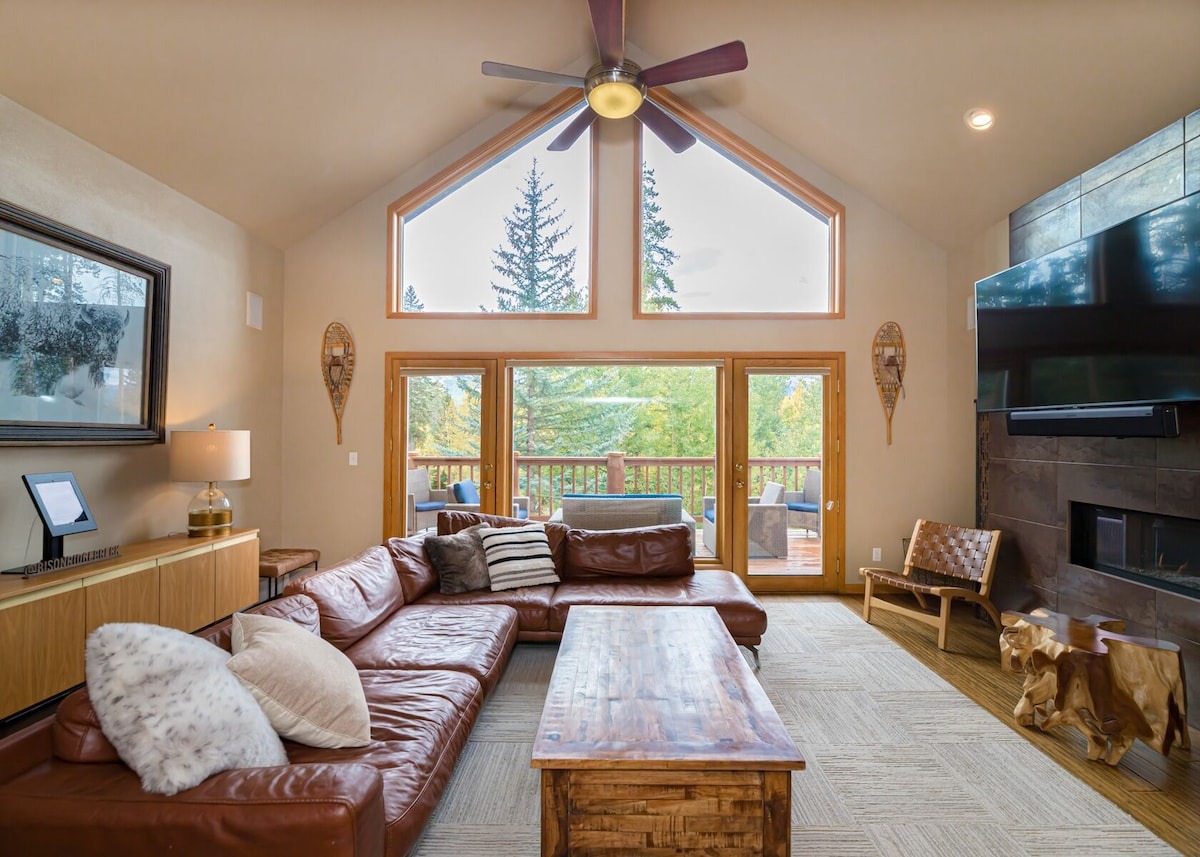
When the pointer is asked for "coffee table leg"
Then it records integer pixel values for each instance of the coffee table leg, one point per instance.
(777, 813)
(554, 812)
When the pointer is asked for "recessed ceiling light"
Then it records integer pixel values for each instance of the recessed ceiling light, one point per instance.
(979, 119)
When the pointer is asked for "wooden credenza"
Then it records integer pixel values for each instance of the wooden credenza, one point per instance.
(182, 582)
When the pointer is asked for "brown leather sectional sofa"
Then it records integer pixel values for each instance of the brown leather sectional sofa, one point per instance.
(427, 663)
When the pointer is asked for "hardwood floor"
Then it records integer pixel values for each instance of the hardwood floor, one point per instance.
(1162, 792)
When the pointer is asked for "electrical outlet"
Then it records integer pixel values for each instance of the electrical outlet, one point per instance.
(876, 554)
(354, 459)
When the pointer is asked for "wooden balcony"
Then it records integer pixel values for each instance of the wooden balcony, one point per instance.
(544, 479)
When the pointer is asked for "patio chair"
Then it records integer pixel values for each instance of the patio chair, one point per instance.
(945, 561)
(464, 496)
(766, 523)
(424, 502)
(804, 507)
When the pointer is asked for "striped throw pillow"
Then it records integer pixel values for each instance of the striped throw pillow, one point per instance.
(517, 556)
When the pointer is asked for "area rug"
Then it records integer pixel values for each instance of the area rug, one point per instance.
(899, 762)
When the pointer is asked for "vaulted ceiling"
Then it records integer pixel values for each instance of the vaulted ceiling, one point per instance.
(279, 114)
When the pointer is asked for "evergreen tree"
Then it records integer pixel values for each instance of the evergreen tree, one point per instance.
(410, 302)
(537, 266)
(658, 288)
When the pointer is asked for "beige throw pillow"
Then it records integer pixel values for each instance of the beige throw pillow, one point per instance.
(309, 690)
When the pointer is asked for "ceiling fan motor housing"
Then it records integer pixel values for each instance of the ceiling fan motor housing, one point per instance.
(615, 91)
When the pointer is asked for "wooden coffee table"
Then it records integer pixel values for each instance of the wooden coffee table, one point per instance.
(657, 739)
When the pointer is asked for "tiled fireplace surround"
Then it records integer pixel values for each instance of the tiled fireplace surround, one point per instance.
(1026, 487)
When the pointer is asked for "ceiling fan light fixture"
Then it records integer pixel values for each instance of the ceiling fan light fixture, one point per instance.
(615, 93)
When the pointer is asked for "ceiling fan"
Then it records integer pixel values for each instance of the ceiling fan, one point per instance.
(617, 87)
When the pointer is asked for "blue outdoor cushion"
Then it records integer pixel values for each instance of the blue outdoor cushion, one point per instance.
(522, 513)
(803, 507)
(711, 514)
(430, 506)
(466, 492)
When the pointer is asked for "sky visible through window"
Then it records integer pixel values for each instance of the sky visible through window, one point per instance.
(742, 245)
(448, 247)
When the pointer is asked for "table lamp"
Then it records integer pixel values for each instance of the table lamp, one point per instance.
(210, 456)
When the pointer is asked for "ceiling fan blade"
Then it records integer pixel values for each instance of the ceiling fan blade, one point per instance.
(718, 60)
(608, 23)
(574, 129)
(677, 138)
(516, 72)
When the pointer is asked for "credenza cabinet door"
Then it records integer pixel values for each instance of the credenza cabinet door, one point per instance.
(124, 595)
(236, 575)
(186, 589)
(41, 646)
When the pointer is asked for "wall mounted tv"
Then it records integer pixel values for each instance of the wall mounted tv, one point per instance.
(1111, 320)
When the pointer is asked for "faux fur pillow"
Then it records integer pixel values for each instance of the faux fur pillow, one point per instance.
(459, 559)
(172, 710)
(309, 690)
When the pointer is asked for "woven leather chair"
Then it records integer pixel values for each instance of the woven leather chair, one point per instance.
(945, 561)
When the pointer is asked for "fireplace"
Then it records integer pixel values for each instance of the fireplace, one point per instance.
(1156, 550)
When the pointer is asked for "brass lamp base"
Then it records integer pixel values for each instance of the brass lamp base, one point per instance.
(218, 522)
(210, 513)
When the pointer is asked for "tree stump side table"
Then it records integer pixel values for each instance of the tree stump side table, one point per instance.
(1086, 673)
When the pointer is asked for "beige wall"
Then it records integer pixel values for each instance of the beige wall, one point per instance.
(219, 369)
(892, 274)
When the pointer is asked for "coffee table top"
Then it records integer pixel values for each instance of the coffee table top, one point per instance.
(657, 687)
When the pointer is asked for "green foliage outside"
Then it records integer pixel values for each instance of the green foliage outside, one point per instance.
(658, 288)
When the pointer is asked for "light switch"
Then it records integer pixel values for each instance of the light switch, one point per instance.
(354, 459)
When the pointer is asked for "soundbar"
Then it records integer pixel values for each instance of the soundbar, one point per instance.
(1123, 421)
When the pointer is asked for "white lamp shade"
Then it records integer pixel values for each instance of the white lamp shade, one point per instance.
(210, 456)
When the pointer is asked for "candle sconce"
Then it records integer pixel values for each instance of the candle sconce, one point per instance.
(889, 361)
(337, 368)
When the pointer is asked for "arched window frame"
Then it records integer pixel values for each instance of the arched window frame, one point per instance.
(771, 172)
(461, 172)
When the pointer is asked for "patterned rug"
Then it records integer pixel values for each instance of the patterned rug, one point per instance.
(899, 762)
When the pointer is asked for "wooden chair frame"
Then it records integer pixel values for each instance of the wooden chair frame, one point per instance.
(939, 557)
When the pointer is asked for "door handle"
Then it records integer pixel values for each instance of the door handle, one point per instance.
(739, 484)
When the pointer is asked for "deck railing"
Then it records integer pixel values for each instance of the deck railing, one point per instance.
(544, 479)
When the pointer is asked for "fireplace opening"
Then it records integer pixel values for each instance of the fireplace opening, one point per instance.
(1158, 550)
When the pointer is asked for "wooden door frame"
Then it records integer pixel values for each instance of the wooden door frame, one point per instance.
(398, 365)
(833, 479)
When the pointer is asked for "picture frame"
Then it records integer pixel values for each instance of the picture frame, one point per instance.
(83, 337)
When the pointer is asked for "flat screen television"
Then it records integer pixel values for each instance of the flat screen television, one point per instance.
(1113, 319)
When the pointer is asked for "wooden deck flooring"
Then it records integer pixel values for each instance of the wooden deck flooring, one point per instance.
(804, 556)
(1162, 792)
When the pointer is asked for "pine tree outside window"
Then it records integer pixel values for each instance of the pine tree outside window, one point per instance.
(506, 230)
(727, 231)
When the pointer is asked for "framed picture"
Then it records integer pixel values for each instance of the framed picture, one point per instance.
(83, 336)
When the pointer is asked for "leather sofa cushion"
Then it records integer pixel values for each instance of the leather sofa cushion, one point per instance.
(532, 603)
(475, 639)
(453, 520)
(295, 608)
(741, 612)
(420, 722)
(417, 574)
(353, 596)
(663, 551)
(76, 733)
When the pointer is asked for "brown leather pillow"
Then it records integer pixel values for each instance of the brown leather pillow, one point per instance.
(417, 574)
(454, 520)
(635, 552)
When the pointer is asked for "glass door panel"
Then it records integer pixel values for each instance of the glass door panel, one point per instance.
(440, 436)
(785, 467)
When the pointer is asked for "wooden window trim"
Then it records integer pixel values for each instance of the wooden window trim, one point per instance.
(461, 170)
(772, 171)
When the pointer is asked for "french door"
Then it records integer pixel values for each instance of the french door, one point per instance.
(441, 415)
(785, 448)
